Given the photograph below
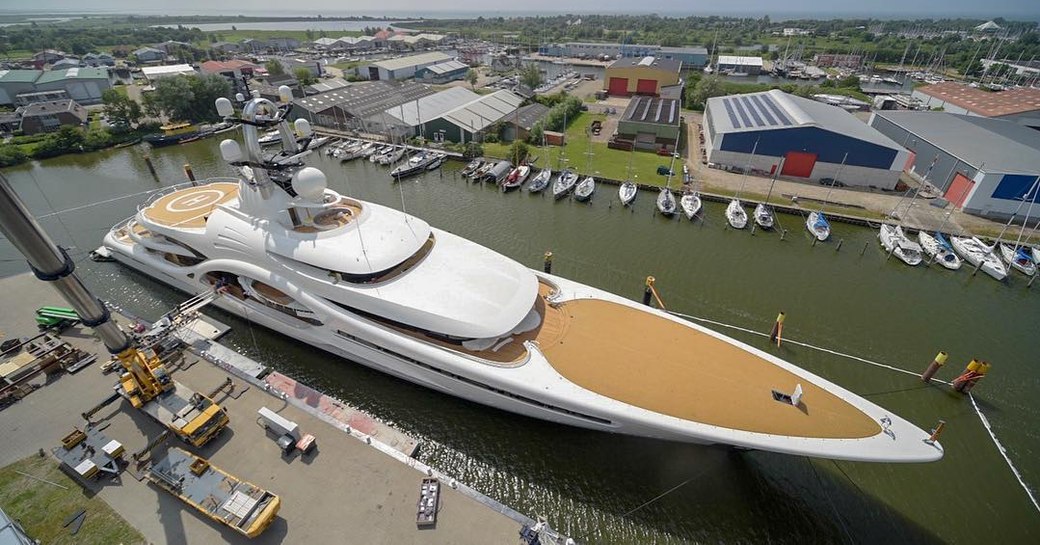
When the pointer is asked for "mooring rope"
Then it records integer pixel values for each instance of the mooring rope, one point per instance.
(978, 411)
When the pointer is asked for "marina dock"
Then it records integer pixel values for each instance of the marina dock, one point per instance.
(361, 485)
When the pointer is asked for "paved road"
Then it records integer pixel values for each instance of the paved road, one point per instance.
(346, 493)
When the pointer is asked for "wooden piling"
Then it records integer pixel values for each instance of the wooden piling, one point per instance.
(547, 263)
(864, 250)
(938, 362)
(783, 233)
(936, 432)
(151, 167)
(777, 332)
(649, 291)
(840, 242)
(188, 173)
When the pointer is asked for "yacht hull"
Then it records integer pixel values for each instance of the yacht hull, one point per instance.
(534, 388)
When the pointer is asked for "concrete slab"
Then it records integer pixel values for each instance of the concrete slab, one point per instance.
(344, 492)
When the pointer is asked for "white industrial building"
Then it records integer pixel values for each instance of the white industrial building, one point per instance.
(983, 166)
(802, 137)
(152, 73)
(402, 67)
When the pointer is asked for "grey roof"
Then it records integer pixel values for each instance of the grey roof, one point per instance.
(328, 85)
(484, 111)
(431, 107)
(530, 114)
(776, 109)
(53, 106)
(447, 66)
(659, 111)
(1004, 146)
(412, 60)
(689, 50)
(659, 63)
(365, 99)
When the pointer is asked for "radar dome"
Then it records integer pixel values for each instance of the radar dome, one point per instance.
(310, 184)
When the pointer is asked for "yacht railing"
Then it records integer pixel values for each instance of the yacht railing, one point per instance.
(170, 189)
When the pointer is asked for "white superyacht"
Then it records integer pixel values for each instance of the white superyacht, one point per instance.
(385, 289)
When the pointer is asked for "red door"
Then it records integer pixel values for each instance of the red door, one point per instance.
(959, 190)
(799, 163)
(618, 87)
(646, 87)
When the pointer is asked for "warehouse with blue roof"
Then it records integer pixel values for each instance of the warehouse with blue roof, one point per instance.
(801, 137)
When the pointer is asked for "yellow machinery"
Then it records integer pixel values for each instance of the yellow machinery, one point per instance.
(193, 417)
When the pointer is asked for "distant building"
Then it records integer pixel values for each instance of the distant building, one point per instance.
(83, 84)
(98, 59)
(357, 106)
(1021, 105)
(282, 43)
(291, 65)
(521, 124)
(984, 166)
(825, 60)
(170, 46)
(730, 64)
(403, 67)
(24, 99)
(146, 55)
(802, 137)
(691, 56)
(988, 26)
(641, 76)
(153, 73)
(470, 121)
(65, 64)
(409, 118)
(418, 41)
(442, 72)
(326, 85)
(50, 116)
(16, 82)
(234, 70)
(225, 47)
(648, 123)
(48, 56)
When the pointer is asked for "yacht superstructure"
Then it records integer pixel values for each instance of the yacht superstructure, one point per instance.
(386, 289)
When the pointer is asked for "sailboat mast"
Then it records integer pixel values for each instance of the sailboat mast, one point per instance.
(1029, 211)
(841, 169)
(743, 179)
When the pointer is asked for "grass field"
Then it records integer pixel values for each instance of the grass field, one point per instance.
(605, 162)
(42, 508)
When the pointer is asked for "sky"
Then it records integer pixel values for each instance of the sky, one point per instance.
(1012, 9)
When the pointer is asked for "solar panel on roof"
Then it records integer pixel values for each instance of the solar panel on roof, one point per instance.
(784, 120)
(757, 99)
(739, 107)
(732, 116)
(751, 108)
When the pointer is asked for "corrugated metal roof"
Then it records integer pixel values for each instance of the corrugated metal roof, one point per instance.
(1004, 146)
(484, 111)
(431, 107)
(531, 114)
(170, 69)
(365, 99)
(775, 109)
(82, 72)
(447, 66)
(432, 57)
(734, 60)
(657, 63)
(19, 76)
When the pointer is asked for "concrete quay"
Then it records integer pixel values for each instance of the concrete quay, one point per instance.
(353, 489)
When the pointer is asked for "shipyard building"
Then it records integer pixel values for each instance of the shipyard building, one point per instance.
(802, 137)
(1021, 105)
(641, 76)
(983, 166)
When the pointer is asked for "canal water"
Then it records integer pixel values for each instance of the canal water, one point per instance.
(596, 486)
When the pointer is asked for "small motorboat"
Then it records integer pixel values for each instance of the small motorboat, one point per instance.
(1019, 258)
(414, 165)
(479, 174)
(436, 161)
(540, 181)
(736, 215)
(818, 225)
(627, 192)
(472, 167)
(690, 204)
(564, 183)
(937, 248)
(666, 202)
(894, 241)
(226, 126)
(584, 190)
(764, 217)
(516, 178)
(368, 149)
(497, 172)
(979, 254)
(315, 143)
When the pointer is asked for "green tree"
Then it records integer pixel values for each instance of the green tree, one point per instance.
(707, 87)
(304, 76)
(473, 149)
(274, 67)
(530, 76)
(122, 111)
(518, 151)
(206, 90)
(172, 98)
(471, 77)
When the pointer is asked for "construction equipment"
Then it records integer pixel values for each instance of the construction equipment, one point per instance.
(239, 505)
(145, 382)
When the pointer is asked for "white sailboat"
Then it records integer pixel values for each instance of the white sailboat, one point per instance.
(1019, 257)
(895, 242)
(627, 193)
(433, 308)
(764, 215)
(736, 215)
(938, 249)
(979, 254)
(816, 222)
(690, 204)
(666, 202)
